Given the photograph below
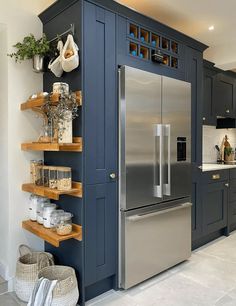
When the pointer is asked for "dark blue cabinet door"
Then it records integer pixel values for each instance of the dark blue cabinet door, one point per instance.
(225, 95)
(215, 202)
(100, 94)
(209, 115)
(194, 75)
(101, 232)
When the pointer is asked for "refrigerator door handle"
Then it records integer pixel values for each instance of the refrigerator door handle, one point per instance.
(167, 187)
(158, 188)
(159, 212)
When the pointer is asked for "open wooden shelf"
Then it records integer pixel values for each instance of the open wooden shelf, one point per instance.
(39, 102)
(76, 146)
(51, 236)
(54, 194)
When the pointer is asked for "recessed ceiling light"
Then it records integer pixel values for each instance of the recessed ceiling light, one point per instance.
(211, 28)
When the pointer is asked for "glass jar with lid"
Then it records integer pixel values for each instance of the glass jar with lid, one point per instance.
(55, 218)
(33, 202)
(41, 202)
(33, 166)
(64, 227)
(53, 177)
(47, 211)
(64, 181)
(39, 176)
(46, 176)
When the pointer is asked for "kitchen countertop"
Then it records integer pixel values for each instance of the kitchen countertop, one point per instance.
(213, 167)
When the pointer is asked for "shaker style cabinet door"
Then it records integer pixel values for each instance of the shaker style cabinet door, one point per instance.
(209, 116)
(100, 95)
(194, 75)
(215, 202)
(101, 232)
(225, 95)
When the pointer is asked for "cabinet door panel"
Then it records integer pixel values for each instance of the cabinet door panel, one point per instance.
(232, 213)
(194, 75)
(101, 232)
(225, 95)
(209, 117)
(232, 190)
(214, 207)
(100, 94)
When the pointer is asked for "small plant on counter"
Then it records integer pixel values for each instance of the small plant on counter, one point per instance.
(228, 151)
(29, 47)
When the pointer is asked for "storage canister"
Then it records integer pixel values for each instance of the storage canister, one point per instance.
(33, 166)
(55, 218)
(47, 210)
(53, 177)
(39, 176)
(64, 227)
(64, 181)
(40, 206)
(46, 176)
(33, 202)
(59, 88)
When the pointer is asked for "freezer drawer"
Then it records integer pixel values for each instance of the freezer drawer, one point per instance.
(152, 241)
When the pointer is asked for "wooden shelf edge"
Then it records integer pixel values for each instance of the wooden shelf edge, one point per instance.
(51, 236)
(54, 194)
(38, 102)
(76, 146)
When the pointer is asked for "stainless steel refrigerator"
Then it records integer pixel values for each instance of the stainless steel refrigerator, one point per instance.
(155, 174)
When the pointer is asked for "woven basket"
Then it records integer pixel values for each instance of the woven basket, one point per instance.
(27, 269)
(66, 292)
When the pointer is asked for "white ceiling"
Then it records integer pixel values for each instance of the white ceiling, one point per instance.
(193, 18)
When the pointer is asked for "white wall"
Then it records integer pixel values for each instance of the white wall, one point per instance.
(17, 83)
(211, 137)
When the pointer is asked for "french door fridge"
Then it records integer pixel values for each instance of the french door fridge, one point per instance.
(155, 174)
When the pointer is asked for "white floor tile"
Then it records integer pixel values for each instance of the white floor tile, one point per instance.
(208, 278)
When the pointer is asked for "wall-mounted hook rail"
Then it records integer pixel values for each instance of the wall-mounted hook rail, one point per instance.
(71, 30)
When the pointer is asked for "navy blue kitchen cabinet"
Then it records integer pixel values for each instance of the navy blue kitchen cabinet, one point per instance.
(100, 94)
(101, 231)
(101, 136)
(232, 199)
(210, 96)
(215, 201)
(194, 75)
(225, 95)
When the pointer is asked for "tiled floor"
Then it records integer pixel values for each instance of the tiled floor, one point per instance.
(207, 279)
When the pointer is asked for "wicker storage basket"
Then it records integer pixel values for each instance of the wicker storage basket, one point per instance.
(66, 292)
(27, 269)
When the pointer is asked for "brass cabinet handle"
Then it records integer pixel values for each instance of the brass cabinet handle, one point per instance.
(215, 176)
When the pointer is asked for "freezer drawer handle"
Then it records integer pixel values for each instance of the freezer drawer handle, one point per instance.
(158, 189)
(159, 212)
(166, 187)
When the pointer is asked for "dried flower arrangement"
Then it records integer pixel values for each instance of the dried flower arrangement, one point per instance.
(57, 114)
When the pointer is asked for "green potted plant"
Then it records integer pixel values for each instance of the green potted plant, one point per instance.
(32, 48)
(229, 154)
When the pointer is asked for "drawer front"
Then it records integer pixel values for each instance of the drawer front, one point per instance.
(232, 173)
(215, 176)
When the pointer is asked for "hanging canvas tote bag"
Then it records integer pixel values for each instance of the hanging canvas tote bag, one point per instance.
(55, 65)
(70, 55)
